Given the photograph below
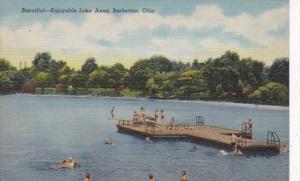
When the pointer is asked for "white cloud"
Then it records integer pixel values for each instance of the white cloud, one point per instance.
(65, 35)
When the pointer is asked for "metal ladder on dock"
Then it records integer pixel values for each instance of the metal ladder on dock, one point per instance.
(273, 138)
(246, 132)
(199, 120)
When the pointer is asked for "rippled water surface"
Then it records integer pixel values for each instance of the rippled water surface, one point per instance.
(37, 131)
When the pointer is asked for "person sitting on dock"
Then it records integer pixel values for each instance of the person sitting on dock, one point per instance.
(135, 119)
(183, 176)
(150, 177)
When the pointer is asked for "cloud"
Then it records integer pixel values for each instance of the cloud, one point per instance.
(137, 36)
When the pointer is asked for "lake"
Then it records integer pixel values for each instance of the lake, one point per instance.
(37, 131)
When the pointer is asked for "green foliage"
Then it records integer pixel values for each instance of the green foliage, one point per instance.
(65, 79)
(6, 84)
(191, 82)
(272, 93)
(279, 71)
(42, 79)
(118, 72)
(5, 65)
(101, 78)
(19, 79)
(89, 66)
(152, 87)
(252, 72)
(79, 80)
(55, 68)
(42, 61)
(104, 92)
(143, 70)
(224, 78)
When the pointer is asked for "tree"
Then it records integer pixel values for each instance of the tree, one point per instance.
(272, 93)
(42, 79)
(89, 66)
(152, 87)
(65, 79)
(42, 61)
(118, 72)
(144, 69)
(191, 81)
(196, 64)
(101, 78)
(279, 71)
(54, 69)
(19, 79)
(5, 65)
(252, 72)
(166, 82)
(6, 84)
(79, 80)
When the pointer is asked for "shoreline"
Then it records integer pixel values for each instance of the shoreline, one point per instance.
(211, 102)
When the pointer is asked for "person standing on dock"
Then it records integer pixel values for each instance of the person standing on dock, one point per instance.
(249, 124)
(173, 125)
(162, 116)
(135, 117)
(112, 112)
(156, 117)
(183, 176)
(142, 115)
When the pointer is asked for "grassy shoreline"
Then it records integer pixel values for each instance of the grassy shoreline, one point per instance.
(126, 93)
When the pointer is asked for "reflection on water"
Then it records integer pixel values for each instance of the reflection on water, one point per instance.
(38, 131)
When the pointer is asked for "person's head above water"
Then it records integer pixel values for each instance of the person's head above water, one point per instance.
(142, 108)
(183, 172)
(150, 176)
(87, 175)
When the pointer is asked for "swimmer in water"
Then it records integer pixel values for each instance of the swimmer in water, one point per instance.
(183, 176)
(87, 176)
(112, 112)
(150, 177)
(67, 164)
(147, 139)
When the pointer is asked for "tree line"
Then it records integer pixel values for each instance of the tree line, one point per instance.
(227, 77)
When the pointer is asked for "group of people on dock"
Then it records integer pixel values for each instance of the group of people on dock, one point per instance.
(141, 117)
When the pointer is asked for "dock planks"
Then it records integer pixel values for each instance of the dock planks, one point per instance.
(210, 134)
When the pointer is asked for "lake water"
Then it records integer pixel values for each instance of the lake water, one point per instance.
(37, 131)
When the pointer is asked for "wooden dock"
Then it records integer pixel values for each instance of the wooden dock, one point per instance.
(200, 133)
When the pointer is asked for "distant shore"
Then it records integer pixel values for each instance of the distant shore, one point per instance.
(212, 102)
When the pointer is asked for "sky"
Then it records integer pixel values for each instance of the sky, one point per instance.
(180, 30)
